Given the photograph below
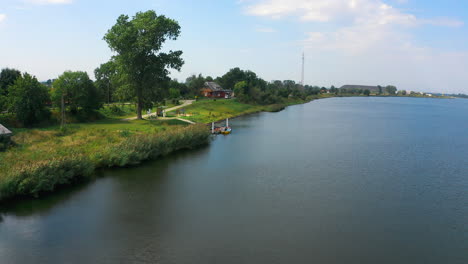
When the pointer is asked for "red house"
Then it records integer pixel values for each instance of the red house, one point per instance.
(214, 90)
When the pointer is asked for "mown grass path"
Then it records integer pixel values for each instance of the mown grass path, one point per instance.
(185, 103)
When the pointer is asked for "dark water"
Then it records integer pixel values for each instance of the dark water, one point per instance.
(343, 180)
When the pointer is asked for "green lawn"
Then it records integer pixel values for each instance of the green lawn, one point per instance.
(211, 110)
(85, 138)
(127, 110)
(206, 111)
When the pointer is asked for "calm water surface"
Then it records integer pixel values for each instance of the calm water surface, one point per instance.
(342, 180)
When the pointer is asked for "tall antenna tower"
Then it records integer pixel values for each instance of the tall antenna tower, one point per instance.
(302, 75)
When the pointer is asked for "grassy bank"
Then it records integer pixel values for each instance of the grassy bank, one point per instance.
(45, 159)
(207, 111)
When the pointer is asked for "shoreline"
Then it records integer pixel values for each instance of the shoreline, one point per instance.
(39, 178)
(30, 182)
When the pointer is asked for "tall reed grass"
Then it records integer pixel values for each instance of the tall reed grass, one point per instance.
(37, 176)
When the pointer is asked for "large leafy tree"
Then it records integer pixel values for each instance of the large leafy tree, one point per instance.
(27, 98)
(77, 90)
(106, 79)
(138, 43)
(7, 78)
(195, 83)
(235, 75)
(231, 78)
(390, 89)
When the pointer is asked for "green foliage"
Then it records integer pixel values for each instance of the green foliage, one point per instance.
(390, 89)
(78, 91)
(45, 176)
(174, 93)
(48, 159)
(367, 92)
(27, 99)
(138, 43)
(106, 80)
(5, 142)
(125, 133)
(194, 83)
(7, 78)
(242, 91)
(3, 102)
(235, 75)
(143, 147)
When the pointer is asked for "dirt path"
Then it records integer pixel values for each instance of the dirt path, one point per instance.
(184, 104)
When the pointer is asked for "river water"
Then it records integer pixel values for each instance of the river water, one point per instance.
(341, 180)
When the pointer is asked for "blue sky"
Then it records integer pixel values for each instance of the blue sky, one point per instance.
(414, 44)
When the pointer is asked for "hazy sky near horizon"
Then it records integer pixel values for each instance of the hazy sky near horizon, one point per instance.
(419, 45)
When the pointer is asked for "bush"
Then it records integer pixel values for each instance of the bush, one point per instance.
(5, 142)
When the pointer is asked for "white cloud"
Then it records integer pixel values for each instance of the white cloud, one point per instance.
(2, 17)
(358, 11)
(49, 2)
(369, 41)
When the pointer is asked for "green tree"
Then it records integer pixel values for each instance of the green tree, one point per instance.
(7, 78)
(174, 93)
(78, 91)
(390, 89)
(106, 78)
(27, 98)
(231, 78)
(242, 90)
(138, 44)
(367, 92)
(195, 83)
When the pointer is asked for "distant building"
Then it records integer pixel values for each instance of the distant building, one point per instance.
(214, 90)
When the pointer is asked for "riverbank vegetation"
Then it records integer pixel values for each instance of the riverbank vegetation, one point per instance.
(213, 110)
(44, 159)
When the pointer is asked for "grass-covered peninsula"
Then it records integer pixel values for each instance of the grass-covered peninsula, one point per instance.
(44, 159)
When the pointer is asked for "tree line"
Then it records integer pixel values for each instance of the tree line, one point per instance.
(138, 72)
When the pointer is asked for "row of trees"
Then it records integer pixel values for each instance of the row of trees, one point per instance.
(381, 90)
(138, 72)
(30, 100)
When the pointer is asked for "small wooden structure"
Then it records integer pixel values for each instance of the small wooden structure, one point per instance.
(214, 90)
